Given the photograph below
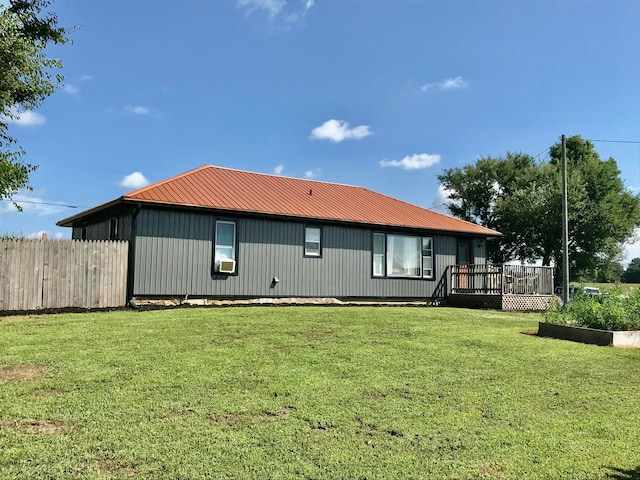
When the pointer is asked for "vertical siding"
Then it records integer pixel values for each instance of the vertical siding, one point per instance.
(173, 253)
(479, 251)
(99, 230)
(173, 256)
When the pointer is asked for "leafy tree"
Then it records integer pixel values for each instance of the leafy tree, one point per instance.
(26, 80)
(609, 272)
(522, 199)
(632, 273)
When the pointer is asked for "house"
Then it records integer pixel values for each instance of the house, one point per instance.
(222, 233)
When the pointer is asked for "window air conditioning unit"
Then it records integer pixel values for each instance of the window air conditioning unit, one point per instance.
(227, 266)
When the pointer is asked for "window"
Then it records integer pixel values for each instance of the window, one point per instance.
(312, 242)
(225, 247)
(113, 229)
(83, 233)
(402, 256)
(378, 254)
(427, 257)
(464, 252)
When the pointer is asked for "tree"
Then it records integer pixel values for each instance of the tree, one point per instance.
(26, 80)
(609, 272)
(522, 199)
(632, 273)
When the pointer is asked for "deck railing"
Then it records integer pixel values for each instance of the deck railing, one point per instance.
(501, 279)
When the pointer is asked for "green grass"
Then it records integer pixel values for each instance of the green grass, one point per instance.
(312, 392)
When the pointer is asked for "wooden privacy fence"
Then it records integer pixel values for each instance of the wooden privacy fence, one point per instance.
(37, 274)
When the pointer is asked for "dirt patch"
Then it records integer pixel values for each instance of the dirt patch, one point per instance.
(488, 470)
(533, 333)
(36, 427)
(231, 419)
(321, 426)
(286, 410)
(109, 466)
(17, 373)
(237, 419)
(374, 395)
(48, 393)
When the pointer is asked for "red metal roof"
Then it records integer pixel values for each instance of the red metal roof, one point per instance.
(235, 190)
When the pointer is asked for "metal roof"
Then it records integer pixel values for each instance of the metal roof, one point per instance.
(248, 192)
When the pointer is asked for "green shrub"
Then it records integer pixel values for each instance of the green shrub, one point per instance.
(612, 311)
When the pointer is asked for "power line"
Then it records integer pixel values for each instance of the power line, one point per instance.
(546, 150)
(615, 141)
(42, 203)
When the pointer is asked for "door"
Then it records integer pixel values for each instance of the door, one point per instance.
(463, 259)
(464, 253)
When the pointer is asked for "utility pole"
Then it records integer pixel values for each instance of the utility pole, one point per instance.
(565, 226)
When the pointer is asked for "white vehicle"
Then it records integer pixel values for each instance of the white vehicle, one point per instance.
(591, 291)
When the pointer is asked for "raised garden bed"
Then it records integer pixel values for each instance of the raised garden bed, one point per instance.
(622, 339)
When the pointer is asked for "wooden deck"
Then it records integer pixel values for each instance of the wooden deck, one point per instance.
(502, 287)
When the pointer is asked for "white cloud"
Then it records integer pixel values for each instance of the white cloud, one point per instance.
(338, 130)
(30, 203)
(313, 173)
(85, 78)
(441, 200)
(38, 235)
(26, 118)
(413, 162)
(278, 170)
(299, 14)
(448, 84)
(138, 110)
(271, 7)
(289, 10)
(134, 180)
(70, 89)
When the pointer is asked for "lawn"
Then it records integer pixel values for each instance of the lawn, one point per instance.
(312, 392)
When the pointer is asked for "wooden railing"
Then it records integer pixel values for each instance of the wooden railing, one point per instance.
(527, 280)
(485, 279)
(501, 279)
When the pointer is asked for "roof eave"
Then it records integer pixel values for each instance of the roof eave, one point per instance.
(69, 221)
(130, 199)
(127, 199)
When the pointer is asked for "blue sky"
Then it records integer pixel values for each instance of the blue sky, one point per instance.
(378, 93)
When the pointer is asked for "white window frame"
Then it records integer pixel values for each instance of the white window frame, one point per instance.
(423, 263)
(379, 256)
(427, 257)
(315, 252)
(217, 245)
